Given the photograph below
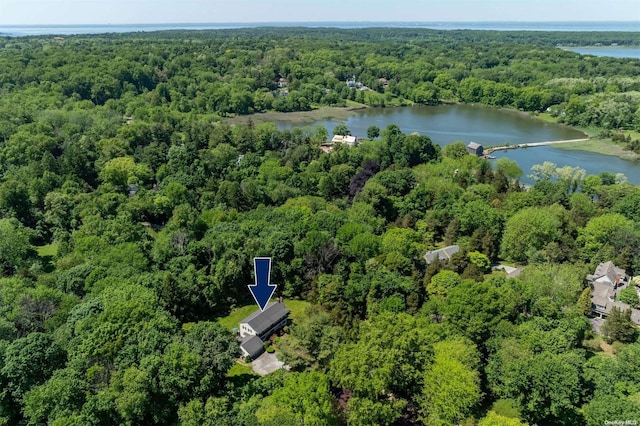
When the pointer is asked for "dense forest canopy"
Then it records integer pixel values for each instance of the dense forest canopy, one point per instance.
(130, 211)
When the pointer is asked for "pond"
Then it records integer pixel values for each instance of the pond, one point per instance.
(445, 124)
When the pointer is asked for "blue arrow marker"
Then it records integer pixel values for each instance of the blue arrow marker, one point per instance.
(262, 290)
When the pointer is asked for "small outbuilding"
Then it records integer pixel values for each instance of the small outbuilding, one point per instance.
(475, 148)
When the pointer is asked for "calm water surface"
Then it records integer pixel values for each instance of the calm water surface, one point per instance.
(27, 30)
(614, 52)
(446, 124)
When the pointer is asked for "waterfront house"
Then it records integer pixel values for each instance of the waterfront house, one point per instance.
(348, 139)
(475, 148)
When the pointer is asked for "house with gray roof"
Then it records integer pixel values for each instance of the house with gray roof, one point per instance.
(606, 283)
(475, 148)
(251, 346)
(441, 254)
(257, 327)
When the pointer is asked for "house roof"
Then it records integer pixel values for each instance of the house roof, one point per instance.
(601, 294)
(263, 321)
(515, 273)
(474, 145)
(607, 272)
(253, 345)
(442, 254)
(609, 305)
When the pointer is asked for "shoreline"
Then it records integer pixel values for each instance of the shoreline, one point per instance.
(603, 147)
(595, 143)
(590, 143)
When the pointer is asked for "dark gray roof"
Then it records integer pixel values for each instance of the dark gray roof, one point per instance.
(253, 345)
(442, 254)
(263, 321)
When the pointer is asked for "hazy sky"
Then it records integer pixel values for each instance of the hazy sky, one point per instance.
(30, 12)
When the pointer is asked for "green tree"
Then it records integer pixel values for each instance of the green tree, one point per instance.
(584, 302)
(442, 282)
(455, 150)
(312, 341)
(603, 408)
(389, 359)
(480, 260)
(494, 419)
(216, 411)
(16, 250)
(304, 398)
(618, 326)
(629, 296)
(451, 384)
(373, 132)
(123, 170)
(59, 398)
(509, 168)
(547, 387)
(341, 129)
(28, 362)
(602, 231)
(474, 309)
(15, 201)
(529, 229)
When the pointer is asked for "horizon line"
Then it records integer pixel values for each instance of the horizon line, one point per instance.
(331, 22)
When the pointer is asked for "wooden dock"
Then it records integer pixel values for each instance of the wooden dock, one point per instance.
(489, 150)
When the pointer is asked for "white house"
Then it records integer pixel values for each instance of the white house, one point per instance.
(257, 327)
(348, 139)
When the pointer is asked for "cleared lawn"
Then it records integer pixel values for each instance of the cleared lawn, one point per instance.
(48, 250)
(232, 320)
(596, 143)
(300, 118)
(601, 146)
(240, 369)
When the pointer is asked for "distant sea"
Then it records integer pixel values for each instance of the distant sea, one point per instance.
(614, 52)
(29, 30)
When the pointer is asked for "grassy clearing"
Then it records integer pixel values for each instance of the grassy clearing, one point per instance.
(300, 117)
(601, 146)
(50, 250)
(297, 308)
(239, 369)
(231, 321)
(596, 144)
